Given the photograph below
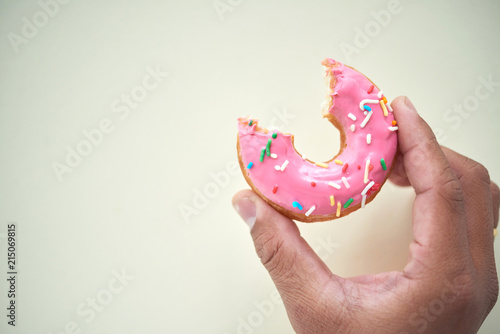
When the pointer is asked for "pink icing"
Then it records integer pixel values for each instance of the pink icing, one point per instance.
(294, 184)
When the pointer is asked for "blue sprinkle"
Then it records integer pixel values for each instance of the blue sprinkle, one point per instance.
(297, 205)
(250, 165)
(367, 108)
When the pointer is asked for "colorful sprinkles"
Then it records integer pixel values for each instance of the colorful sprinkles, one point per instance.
(268, 147)
(262, 154)
(297, 205)
(346, 204)
(311, 210)
(382, 162)
(353, 174)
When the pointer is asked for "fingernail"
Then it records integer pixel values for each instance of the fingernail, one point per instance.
(246, 209)
(409, 104)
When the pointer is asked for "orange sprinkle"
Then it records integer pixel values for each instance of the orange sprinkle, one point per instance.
(384, 108)
(384, 98)
(394, 123)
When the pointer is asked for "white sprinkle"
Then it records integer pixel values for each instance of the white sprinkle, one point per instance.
(351, 116)
(368, 138)
(284, 165)
(332, 184)
(389, 107)
(277, 167)
(367, 118)
(345, 182)
(274, 155)
(363, 202)
(365, 113)
(362, 103)
(367, 188)
(366, 170)
(393, 128)
(311, 209)
(353, 127)
(304, 157)
(379, 95)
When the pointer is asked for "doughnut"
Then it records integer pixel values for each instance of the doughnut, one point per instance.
(310, 191)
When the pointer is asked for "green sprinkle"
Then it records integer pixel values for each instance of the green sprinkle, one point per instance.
(250, 123)
(382, 162)
(262, 153)
(346, 205)
(268, 147)
(275, 135)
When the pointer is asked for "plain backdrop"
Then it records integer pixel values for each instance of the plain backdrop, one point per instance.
(137, 234)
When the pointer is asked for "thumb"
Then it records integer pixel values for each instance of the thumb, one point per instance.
(297, 271)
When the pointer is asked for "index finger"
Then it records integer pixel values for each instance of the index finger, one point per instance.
(439, 226)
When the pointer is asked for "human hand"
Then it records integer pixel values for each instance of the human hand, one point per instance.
(449, 284)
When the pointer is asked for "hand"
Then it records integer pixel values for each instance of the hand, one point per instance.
(449, 284)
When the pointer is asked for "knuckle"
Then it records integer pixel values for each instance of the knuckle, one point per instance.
(451, 189)
(269, 249)
(480, 172)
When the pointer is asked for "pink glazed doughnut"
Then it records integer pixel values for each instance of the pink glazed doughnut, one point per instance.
(317, 191)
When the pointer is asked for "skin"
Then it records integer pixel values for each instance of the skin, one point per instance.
(449, 284)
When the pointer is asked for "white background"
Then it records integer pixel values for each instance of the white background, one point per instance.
(120, 207)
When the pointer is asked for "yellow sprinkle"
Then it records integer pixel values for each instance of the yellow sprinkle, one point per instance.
(384, 108)
(321, 164)
(332, 200)
(339, 162)
(338, 209)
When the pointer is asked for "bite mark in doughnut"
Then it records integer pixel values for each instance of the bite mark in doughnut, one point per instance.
(311, 191)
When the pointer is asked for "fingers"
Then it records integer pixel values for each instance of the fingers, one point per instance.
(480, 207)
(438, 214)
(398, 174)
(297, 271)
(495, 197)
